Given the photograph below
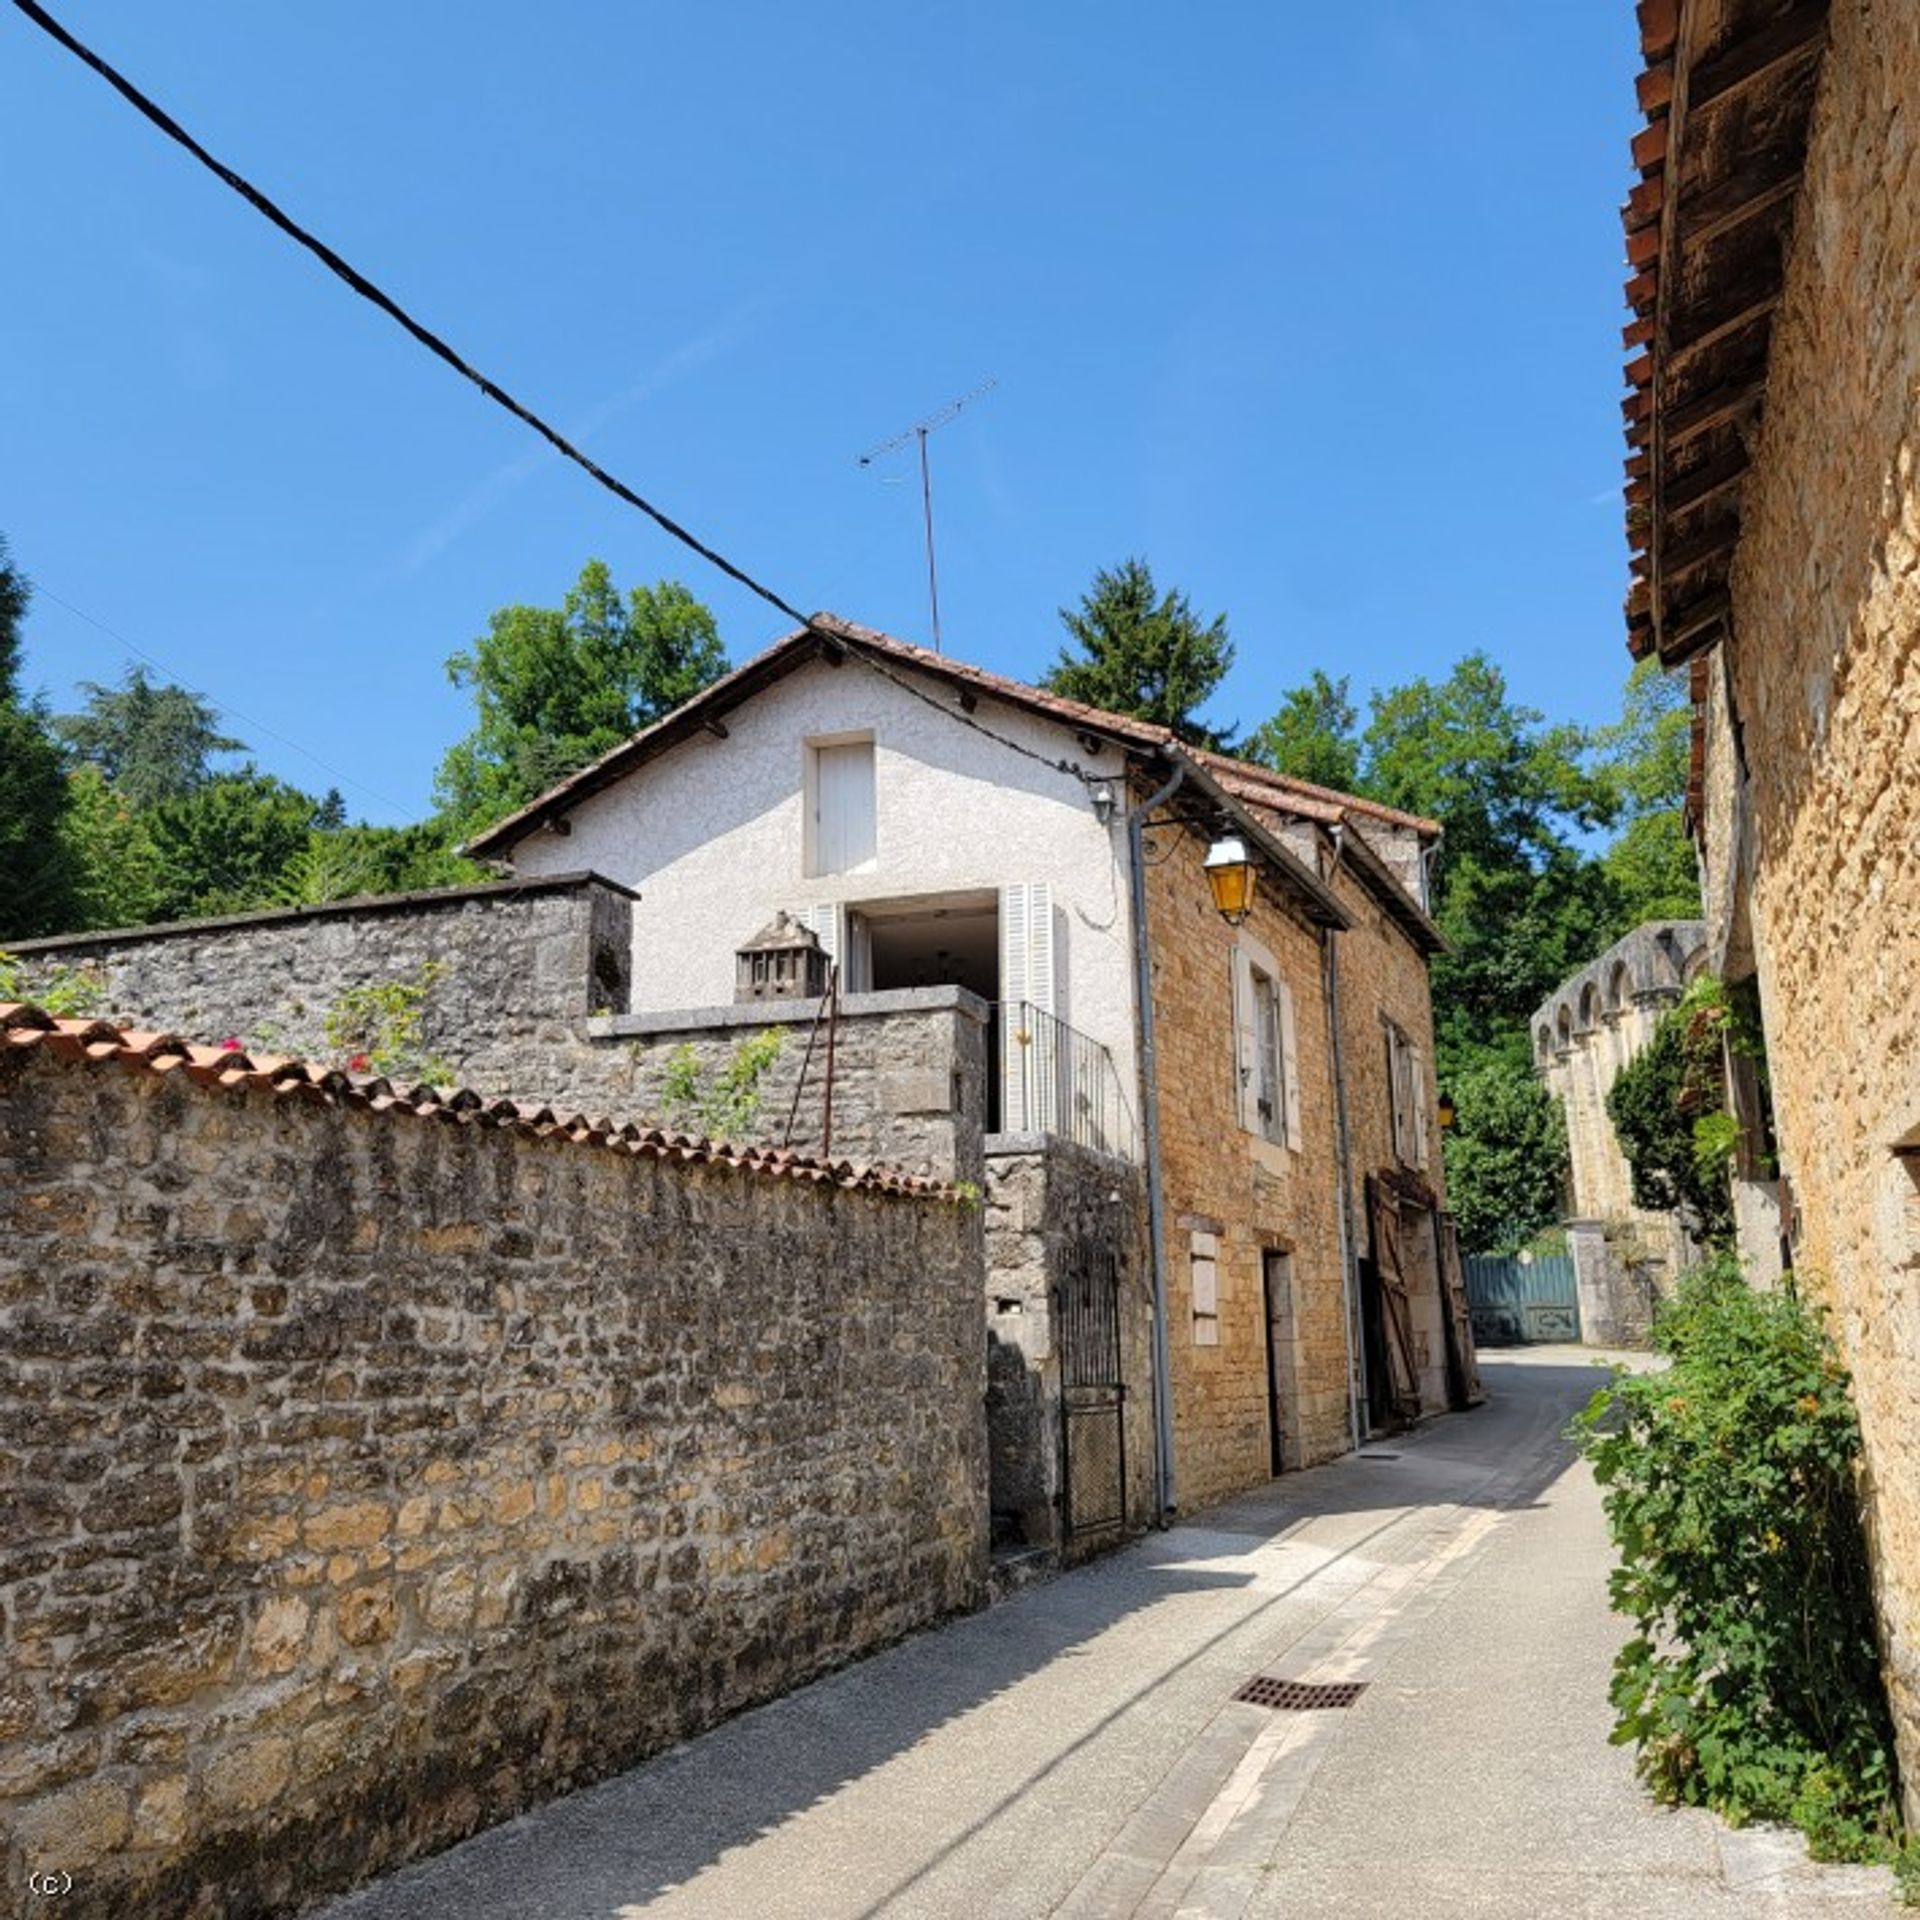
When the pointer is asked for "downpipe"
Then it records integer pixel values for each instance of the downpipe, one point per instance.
(1343, 1158)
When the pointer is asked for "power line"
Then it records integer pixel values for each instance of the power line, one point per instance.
(400, 813)
(365, 288)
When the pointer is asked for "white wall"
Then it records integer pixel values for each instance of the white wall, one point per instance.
(710, 835)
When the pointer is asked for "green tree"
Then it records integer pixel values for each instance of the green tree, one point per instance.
(1313, 735)
(1506, 1152)
(1644, 760)
(109, 853)
(224, 846)
(36, 893)
(555, 688)
(152, 742)
(1143, 652)
(341, 862)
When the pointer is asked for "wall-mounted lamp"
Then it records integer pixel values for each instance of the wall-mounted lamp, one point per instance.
(1230, 875)
(1449, 1113)
(1106, 803)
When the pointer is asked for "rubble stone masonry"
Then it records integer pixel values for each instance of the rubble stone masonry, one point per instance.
(365, 1478)
(1252, 1195)
(1812, 815)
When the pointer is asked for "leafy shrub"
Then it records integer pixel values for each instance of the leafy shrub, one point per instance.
(1752, 1682)
(725, 1106)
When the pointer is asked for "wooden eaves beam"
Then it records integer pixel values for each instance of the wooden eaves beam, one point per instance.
(1796, 35)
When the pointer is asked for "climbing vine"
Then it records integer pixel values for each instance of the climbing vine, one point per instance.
(378, 1027)
(724, 1105)
(1669, 1112)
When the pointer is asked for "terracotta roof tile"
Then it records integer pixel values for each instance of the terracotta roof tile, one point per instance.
(233, 1069)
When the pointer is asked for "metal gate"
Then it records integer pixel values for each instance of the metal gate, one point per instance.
(1093, 1437)
(1514, 1304)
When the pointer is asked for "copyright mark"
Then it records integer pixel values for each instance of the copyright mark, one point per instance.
(49, 1884)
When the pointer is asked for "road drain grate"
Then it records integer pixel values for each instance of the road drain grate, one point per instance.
(1300, 1696)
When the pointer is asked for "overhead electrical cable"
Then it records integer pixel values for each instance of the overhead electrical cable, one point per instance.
(401, 814)
(367, 290)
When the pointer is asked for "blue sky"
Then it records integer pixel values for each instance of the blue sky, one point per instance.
(1315, 307)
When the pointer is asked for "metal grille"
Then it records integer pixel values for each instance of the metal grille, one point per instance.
(1048, 1077)
(1300, 1696)
(1092, 1394)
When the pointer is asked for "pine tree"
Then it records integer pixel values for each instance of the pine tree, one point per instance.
(1144, 653)
(36, 895)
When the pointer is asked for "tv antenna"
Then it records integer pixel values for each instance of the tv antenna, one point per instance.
(919, 431)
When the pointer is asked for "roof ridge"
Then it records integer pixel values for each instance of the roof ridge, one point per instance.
(231, 1067)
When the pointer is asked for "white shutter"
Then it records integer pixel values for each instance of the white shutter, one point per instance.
(1028, 1068)
(1417, 1103)
(1295, 1134)
(1246, 1044)
(843, 806)
(1203, 1268)
(824, 922)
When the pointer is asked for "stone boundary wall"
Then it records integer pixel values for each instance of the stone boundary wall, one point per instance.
(909, 1071)
(366, 1478)
(528, 998)
(522, 965)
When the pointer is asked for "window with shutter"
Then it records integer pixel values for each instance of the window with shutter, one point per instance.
(1266, 1047)
(841, 833)
(1204, 1277)
(1290, 1069)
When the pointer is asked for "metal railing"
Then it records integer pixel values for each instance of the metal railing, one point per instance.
(1048, 1077)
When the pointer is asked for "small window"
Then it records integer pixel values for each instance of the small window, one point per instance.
(1407, 1087)
(1266, 1052)
(1204, 1272)
(840, 827)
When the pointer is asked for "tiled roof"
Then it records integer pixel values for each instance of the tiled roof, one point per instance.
(236, 1069)
(1728, 93)
(704, 709)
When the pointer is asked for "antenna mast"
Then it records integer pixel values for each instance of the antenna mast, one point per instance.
(919, 431)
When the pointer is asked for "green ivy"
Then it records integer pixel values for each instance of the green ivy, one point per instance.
(1668, 1106)
(1752, 1682)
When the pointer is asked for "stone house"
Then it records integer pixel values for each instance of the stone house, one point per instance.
(1774, 508)
(1625, 1257)
(1264, 1110)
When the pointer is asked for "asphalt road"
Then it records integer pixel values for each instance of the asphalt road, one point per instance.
(1078, 1750)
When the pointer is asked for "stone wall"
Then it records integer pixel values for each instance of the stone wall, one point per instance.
(1625, 1257)
(527, 983)
(517, 969)
(366, 1477)
(1050, 1205)
(909, 1072)
(1811, 831)
(1253, 1196)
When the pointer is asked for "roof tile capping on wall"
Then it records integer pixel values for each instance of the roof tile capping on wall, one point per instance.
(233, 1068)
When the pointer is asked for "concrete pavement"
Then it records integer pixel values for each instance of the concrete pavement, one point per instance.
(1077, 1750)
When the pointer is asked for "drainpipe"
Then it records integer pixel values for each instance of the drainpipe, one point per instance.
(1150, 1113)
(1343, 1154)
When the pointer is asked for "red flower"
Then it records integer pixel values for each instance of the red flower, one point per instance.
(358, 1064)
(232, 1044)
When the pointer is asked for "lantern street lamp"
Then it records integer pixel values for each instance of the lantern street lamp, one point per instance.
(1230, 875)
(1449, 1113)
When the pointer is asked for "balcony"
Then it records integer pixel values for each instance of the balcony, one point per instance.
(1047, 1077)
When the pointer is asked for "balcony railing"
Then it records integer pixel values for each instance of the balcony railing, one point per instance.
(1048, 1077)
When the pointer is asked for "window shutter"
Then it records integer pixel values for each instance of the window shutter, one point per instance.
(1246, 1044)
(1028, 1102)
(843, 806)
(1290, 1067)
(1397, 1093)
(1417, 1103)
(824, 923)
